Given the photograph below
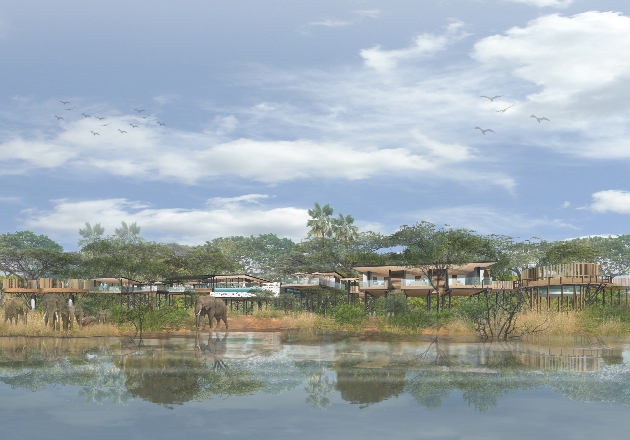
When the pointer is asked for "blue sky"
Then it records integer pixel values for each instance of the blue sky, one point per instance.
(270, 106)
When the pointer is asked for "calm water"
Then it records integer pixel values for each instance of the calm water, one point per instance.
(289, 386)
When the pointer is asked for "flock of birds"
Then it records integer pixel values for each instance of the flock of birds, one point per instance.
(65, 103)
(484, 131)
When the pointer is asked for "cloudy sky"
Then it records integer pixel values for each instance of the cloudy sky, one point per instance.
(270, 106)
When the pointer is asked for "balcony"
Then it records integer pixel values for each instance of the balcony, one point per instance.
(374, 283)
(301, 280)
(470, 281)
(414, 283)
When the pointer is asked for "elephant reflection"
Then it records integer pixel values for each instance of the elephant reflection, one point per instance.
(214, 350)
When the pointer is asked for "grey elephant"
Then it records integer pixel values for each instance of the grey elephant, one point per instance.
(68, 314)
(104, 316)
(213, 307)
(88, 320)
(53, 304)
(14, 308)
(76, 314)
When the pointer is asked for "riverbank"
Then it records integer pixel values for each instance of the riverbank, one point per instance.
(593, 323)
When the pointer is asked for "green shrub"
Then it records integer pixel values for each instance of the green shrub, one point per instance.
(349, 314)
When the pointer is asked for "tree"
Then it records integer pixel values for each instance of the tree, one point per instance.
(129, 233)
(434, 251)
(255, 255)
(320, 222)
(90, 233)
(32, 256)
(613, 254)
(344, 229)
(512, 256)
(567, 252)
(115, 257)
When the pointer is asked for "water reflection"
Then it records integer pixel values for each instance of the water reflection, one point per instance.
(173, 371)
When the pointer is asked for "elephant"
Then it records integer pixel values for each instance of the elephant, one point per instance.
(104, 316)
(88, 320)
(68, 314)
(76, 313)
(213, 307)
(13, 308)
(53, 304)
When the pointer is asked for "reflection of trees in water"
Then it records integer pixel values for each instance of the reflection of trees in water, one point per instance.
(366, 386)
(54, 362)
(319, 387)
(168, 376)
(609, 385)
(277, 371)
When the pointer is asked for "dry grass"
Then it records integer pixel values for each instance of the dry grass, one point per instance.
(36, 327)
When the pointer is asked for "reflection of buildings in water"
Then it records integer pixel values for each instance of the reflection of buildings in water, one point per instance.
(566, 359)
(243, 345)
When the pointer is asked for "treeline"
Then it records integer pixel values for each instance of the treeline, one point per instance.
(332, 244)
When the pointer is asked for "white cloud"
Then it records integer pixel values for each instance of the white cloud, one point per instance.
(423, 45)
(488, 220)
(611, 200)
(566, 204)
(560, 4)
(360, 15)
(151, 152)
(371, 13)
(582, 58)
(166, 99)
(331, 23)
(221, 218)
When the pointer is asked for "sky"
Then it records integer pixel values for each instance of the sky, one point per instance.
(252, 111)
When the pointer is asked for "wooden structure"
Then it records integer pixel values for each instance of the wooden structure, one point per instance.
(441, 284)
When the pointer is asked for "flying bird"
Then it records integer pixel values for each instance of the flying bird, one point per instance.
(504, 110)
(491, 99)
(65, 102)
(484, 131)
(58, 117)
(139, 111)
(122, 131)
(134, 126)
(105, 125)
(161, 123)
(100, 119)
(539, 119)
(95, 134)
(71, 108)
(144, 117)
(86, 116)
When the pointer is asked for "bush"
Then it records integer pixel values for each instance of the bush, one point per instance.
(352, 314)
(286, 302)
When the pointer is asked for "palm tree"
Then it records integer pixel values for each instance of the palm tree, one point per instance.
(130, 233)
(90, 234)
(344, 228)
(320, 222)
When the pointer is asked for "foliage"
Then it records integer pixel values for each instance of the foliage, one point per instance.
(352, 314)
(496, 316)
(90, 234)
(257, 256)
(287, 302)
(32, 256)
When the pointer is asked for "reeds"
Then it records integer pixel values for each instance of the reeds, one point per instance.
(36, 327)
